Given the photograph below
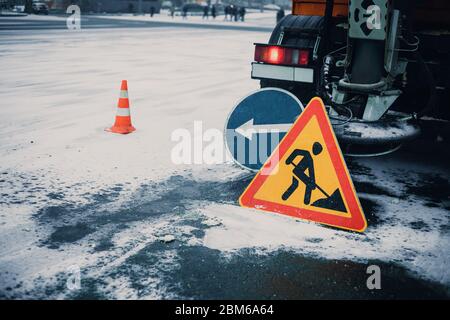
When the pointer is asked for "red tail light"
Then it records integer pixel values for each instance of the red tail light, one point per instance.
(275, 55)
(303, 58)
(281, 55)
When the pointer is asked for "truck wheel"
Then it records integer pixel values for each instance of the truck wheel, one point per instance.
(300, 22)
(303, 91)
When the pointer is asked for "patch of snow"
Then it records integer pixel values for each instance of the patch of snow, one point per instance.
(59, 91)
(63, 89)
(423, 251)
(168, 238)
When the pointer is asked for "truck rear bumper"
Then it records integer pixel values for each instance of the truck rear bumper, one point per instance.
(268, 71)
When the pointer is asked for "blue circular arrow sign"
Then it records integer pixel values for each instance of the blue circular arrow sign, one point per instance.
(258, 123)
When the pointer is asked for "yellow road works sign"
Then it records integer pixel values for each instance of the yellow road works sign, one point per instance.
(306, 177)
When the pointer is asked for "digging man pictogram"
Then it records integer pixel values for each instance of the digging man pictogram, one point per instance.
(305, 164)
(304, 172)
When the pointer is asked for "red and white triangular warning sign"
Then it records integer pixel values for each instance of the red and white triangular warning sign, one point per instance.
(306, 177)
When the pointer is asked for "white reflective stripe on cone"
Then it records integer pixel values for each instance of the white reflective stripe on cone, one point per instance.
(123, 112)
(123, 93)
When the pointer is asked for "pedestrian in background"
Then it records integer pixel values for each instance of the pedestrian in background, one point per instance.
(213, 11)
(185, 11)
(242, 13)
(280, 14)
(227, 12)
(206, 12)
(235, 13)
(172, 11)
(152, 12)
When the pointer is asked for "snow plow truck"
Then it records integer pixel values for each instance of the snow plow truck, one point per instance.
(381, 66)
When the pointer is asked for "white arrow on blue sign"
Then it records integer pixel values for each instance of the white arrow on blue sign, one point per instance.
(258, 123)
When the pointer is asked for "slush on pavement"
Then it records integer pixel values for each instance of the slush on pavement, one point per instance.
(225, 150)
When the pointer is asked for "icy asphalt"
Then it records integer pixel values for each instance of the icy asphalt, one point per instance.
(261, 22)
(139, 226)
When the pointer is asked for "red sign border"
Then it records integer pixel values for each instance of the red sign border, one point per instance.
(356, 221)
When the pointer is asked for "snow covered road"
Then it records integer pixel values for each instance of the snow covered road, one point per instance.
(138, 226)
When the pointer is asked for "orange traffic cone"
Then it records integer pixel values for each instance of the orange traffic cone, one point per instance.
(123, 118)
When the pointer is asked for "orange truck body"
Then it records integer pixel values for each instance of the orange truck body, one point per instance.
(430, 12)
(317, 7)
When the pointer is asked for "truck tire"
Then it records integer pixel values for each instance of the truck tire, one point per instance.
(303, 91)
(300, 22)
